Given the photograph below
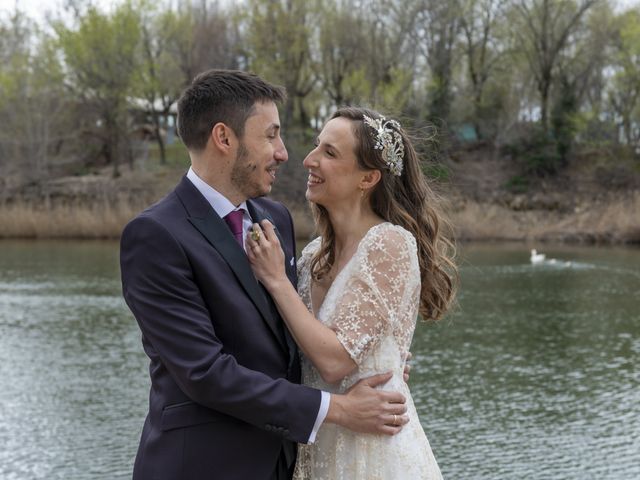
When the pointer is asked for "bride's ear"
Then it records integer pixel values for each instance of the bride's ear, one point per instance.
(370, 179)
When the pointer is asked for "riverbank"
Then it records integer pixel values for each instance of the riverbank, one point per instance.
(94, 206)
(577, 207)
(96, 221)
(612, 221)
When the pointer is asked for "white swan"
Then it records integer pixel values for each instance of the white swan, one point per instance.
(537, 257)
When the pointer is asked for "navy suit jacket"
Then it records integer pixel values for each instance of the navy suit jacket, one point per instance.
(225, 395)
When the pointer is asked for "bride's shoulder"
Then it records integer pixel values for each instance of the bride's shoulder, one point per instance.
(389, 238)
(310, 248)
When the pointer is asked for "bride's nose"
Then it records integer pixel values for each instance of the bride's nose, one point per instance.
(310, 160)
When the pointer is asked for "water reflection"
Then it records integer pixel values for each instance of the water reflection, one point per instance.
(72, 374)
(535, 376)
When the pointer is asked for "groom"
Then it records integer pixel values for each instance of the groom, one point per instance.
(225, 398)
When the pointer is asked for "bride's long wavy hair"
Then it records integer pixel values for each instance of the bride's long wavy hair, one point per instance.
(406, 200)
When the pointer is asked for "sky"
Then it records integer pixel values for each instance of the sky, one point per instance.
(37, 8)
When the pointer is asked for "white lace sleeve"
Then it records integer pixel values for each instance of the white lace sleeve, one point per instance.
(304, 271)
(307, 253)
(376, 296)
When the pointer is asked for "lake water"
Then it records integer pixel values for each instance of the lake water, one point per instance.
(535, 376)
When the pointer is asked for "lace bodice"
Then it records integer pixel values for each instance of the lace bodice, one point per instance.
(374, 297)
(372, 306)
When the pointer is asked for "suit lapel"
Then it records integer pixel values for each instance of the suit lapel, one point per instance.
(258, 214)
(215, 230)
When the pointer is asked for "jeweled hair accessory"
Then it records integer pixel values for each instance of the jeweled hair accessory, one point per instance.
(389, 141)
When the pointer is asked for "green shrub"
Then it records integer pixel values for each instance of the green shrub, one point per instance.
(517, 184)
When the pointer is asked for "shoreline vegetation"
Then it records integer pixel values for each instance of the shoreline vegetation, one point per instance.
(529, 130)
(605, 224)
(98, 207)
(612, 222)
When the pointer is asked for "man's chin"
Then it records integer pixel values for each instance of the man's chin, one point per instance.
(257, 191)
(266, 191)
(261, 193)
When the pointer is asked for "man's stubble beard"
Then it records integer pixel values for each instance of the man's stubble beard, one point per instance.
(242, 174)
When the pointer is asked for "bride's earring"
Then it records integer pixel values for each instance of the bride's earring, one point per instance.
(362, 190)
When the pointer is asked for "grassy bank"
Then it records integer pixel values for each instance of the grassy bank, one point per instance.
(98, 206)
(615, 222)
(101, 220)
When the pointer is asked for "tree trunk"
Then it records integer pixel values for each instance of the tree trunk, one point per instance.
(544, 87)
(112, 152)
(157, 132)
(626, 125)
(289, 109)
(477, 106)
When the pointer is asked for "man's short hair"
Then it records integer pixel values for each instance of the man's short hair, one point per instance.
(226, 96)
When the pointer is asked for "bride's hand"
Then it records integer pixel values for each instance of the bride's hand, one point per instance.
(265, 254)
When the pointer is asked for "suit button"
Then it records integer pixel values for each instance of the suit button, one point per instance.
(268, 428)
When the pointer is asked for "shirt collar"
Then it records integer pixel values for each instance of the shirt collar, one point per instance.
(218, 202)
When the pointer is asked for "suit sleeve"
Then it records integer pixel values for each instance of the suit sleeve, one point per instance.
(159, 287)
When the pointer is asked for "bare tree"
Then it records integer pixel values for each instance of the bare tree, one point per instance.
(624, 92)
(200, 36)
(278, 42)
(33, 104)
(101, 57)
(366, 53)
(159, 80)
(438, 28)
(343, 49)
(543, 29)
(482, 49)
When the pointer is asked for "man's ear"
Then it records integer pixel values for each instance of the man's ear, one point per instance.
(370, 179)
(223, 137)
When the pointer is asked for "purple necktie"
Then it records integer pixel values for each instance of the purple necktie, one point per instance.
(234, 220)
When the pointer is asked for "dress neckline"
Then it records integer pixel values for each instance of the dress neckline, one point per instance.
(315, 313)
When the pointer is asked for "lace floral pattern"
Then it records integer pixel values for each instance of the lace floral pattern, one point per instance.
(372, 306)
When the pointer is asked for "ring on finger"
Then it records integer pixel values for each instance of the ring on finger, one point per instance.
(255, 235)
(395, 420)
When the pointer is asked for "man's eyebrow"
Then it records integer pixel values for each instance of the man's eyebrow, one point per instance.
(273, 127)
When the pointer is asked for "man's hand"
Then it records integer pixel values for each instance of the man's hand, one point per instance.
(367, 410)
(407, 368)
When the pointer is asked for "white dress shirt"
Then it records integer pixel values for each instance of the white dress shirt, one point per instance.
(222, 206)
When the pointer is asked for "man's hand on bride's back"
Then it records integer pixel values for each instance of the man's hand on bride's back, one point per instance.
(407, 367)
(365, 409)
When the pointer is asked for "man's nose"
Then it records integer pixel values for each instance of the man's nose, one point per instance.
(281, 154)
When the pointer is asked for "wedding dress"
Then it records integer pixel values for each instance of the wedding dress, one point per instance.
(372, 306)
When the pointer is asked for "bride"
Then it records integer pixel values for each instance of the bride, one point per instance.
(380, 261)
